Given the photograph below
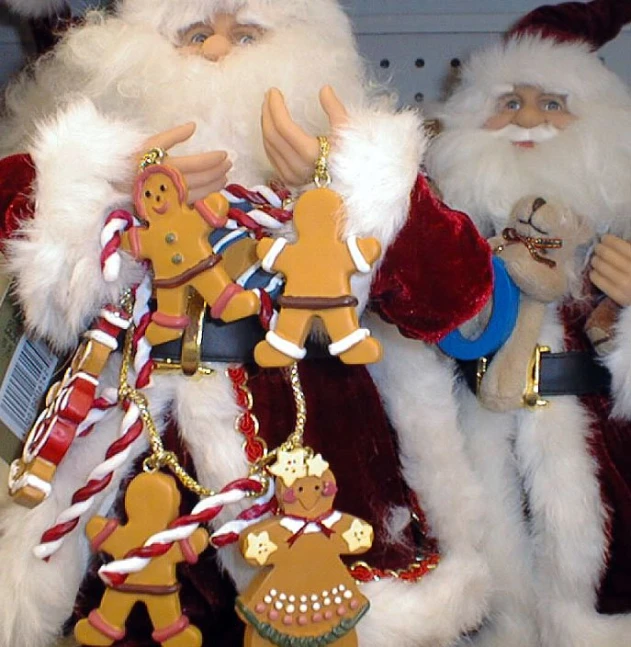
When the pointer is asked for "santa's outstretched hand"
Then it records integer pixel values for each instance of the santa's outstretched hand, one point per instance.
(204, 173)
(611, 268)
(289, 148)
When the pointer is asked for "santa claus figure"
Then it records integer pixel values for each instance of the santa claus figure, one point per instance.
(540, 115)
(240, 90)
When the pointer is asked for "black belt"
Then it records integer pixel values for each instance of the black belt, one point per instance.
(227, 343)
(572, 373)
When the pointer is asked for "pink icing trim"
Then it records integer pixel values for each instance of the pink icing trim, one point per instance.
(170, 321)
(100, 538)
(160, 635)
(139, 186)
(222, 300)
(212, 218)
(188, 551)
(134, 242)
(100, 624)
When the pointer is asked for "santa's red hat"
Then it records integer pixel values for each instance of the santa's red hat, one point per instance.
(552, 47)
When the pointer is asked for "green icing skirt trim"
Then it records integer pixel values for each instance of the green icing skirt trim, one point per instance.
(283, 640)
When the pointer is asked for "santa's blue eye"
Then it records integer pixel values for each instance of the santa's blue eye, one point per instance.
(513, 104)
(200, 37)
(553, 106)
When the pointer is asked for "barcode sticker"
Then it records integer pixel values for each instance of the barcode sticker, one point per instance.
(25, 382)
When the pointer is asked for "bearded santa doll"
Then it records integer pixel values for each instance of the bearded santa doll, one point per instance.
(540, 115)
(196, 78)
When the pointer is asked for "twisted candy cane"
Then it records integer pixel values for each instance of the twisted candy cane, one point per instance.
(115, 573)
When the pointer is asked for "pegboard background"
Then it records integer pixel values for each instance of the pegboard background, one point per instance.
(416, 45)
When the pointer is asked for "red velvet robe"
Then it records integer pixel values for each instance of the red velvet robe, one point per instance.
(436, 275)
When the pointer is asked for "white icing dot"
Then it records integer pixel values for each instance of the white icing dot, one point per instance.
(278, 605)
(327, 602)
(290, 608)
(303, 598)
(334, 591)
(316, 606)
(303, 608)
(273, 592)
(338, 600)
(314, 598)
(282, 596)
(267, 599)
(342, 587)
(348, 595)
(292, 598)
(325, 594)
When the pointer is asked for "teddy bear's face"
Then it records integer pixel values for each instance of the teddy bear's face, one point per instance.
(159, 195)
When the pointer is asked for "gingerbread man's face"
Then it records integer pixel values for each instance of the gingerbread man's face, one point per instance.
(308, 497)
(158, 191)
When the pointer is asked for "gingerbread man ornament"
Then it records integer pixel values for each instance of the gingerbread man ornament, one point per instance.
(152, 501)
(175, 240)
(318, 268)
(306, 595)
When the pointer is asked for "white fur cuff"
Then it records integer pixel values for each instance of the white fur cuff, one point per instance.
(619, 364)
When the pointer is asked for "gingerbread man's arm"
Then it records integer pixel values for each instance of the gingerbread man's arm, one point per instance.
(370, 249)
(262, 543)
(352, 536)
(136, 241)
(269, 251)
(100, 532)
(188, 550)
(213, 209)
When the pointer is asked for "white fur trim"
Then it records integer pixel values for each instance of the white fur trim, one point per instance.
(374, 167)
(272, 255)
(284, 346)
(619, 364)
(342, 345)
(358, 258)
(416, 386)
(56, 261)
(35, 8)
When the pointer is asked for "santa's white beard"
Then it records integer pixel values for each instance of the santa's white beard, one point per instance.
(135, 74)
(585, 166)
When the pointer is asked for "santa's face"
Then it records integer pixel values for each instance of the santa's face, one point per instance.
(216, 38)
(527, 115)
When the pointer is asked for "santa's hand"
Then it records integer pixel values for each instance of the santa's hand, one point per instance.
(611, 269)
(293, 152)
(204, 173)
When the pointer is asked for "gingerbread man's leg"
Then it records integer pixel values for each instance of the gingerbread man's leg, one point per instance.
(228, 301)
(170, 319)
(106, 624)
(285, 344)
(171, 628)
(352, 344)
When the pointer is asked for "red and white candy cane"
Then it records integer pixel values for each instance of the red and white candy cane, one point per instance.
(115, 573)
(115, 224)
(117, 455)
(229, 533)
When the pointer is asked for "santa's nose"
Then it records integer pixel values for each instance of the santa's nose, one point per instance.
(528, 117)
(216, 47)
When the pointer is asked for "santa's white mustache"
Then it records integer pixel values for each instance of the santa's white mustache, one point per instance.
(538, 134)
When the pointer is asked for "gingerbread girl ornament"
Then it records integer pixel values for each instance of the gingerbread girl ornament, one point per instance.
(305, 596)
(175, 240)
(318, 268)
(152, 501)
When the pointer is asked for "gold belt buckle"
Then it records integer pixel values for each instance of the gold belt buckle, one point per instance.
(190, 357)
(531, 397)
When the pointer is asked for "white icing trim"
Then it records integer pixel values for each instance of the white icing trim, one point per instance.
(344, 344)
(25, 480)
(286, 347)
(102, 338)
(359, 260)
(270, 258)
(294, 525)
